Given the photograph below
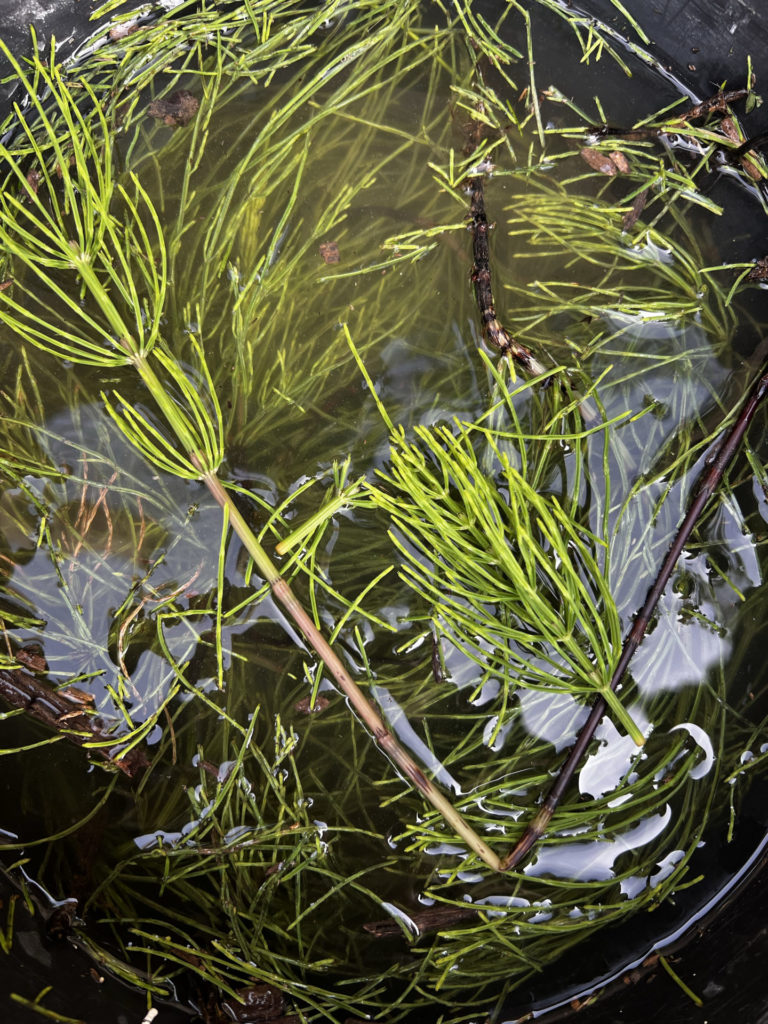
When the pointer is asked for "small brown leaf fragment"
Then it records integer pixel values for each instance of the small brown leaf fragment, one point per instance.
(73, 693)
(729, 129)
(760, 270)
(189, 957)
(177, 111)
(5, 285)
(31, 656)
(212, 769)
(306, 707)
(330, 252)
(731, 132)
(750, 169)
(620, 161)
(70, 163)
(34, 178)
(599, 161)
(631, 217)
(257, 1003)
(118, 32)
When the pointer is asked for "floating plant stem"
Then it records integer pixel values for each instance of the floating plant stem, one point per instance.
(194, 418)
(496, 335)
(363, 707)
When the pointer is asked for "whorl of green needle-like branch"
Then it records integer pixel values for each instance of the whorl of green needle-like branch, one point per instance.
(360, 703)
(74, 230)
(510, 574)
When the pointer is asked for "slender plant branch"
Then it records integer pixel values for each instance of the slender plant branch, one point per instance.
(494, 332)
(704, 489)
(360, 703)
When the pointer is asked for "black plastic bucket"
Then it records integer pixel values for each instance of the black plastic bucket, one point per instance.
(701, 43)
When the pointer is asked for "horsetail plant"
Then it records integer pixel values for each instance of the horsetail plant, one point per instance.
(76, 233)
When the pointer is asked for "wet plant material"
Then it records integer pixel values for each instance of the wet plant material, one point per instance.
(253, 327)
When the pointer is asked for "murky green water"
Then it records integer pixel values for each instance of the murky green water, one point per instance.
(260, 840)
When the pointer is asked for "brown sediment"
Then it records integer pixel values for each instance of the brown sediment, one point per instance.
(177, 111)
(329, 252)
(760, 270)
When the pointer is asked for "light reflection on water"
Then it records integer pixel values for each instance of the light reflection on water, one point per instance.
(596, 860)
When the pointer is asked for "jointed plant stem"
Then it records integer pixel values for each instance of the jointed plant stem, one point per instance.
(365, 710)
(494, 332)
(107, 267)
(170, 410)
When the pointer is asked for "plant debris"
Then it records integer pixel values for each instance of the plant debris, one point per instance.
(632, 216)
(307, 706)
(330, 252)
(257, 1004)
(606, 163)
(183, 389)
(760, 270)
(69, 713)
(177, 111)
(493, 331)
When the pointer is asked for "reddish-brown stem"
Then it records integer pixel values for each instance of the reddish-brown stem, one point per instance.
(493, 331)
(717, 104)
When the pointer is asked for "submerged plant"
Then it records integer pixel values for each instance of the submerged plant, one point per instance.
(264, 842)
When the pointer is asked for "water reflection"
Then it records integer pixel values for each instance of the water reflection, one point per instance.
(596, 860)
